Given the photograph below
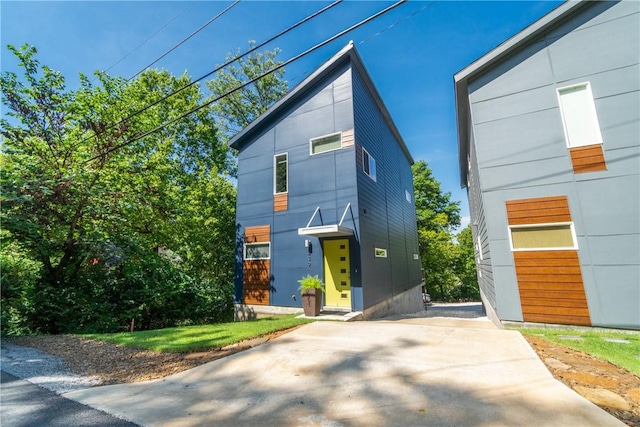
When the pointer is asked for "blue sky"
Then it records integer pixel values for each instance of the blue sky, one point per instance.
(412, 63)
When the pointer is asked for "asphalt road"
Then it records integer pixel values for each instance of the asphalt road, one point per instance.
(23, 404)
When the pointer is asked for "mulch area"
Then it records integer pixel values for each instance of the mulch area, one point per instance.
(614, 389)
(116, 364)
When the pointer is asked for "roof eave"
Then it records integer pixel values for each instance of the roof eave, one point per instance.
(486, 61)
(348, 52)
(290, 97)
(378, 99)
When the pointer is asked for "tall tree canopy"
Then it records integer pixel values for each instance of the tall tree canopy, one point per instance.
(240, 108)
(440, 252)
(86, 189)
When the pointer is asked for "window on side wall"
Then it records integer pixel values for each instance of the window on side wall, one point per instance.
(281, 173)
(380, 253)
(368, 164)
(325, 143)
(579, 116)
(543, 237)
(260, 250)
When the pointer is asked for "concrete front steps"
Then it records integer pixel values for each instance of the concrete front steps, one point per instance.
(248, 312)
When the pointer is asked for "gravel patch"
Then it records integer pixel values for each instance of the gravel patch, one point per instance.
(42, 369)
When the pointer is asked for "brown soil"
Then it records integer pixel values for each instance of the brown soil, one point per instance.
(614, 389)
(116, 364)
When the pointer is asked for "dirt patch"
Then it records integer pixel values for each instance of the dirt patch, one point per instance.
(615, 390)
(116, 364)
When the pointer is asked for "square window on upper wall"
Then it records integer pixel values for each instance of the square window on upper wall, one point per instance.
(579, 116)
(325, 143)
(368, 164)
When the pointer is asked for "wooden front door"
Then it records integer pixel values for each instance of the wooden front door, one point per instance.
(337, 276)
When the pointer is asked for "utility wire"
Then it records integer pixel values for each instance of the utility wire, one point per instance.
(150, 37)
(365, 40)
(202, 27)
(218, 68)
(411, 15)
(245, 84)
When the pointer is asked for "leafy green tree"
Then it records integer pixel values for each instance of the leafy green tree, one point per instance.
(465, 265)
(237, 110)
(437, 217)
(86, 193)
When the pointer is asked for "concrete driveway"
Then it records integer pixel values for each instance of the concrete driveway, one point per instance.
(405, 372)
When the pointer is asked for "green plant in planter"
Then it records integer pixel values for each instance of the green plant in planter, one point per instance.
(311, 288)
(311, 282)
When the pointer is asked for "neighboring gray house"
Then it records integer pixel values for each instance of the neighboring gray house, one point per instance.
(325, 188)
(549, 151)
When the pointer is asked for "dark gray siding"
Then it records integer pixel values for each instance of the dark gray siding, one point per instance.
(387, 220)
(326, 180)
(522, 153)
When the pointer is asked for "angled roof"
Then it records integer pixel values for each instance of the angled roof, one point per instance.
(476, 68)
(347, 53)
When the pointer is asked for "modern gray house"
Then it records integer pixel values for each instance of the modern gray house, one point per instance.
(549, 151)
(325, 188)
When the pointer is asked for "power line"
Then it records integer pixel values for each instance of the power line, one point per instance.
(218, 68)
(150, 37)
(187, 38)
(245, 84)
(365, 40)
(411, 15)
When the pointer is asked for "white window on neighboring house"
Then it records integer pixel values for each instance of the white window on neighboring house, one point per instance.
(260, 250)
(325, 143)
(368, 164)
(543, 237)
(407, 196)
(579, 115)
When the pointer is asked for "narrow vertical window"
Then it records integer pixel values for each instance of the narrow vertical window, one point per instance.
(368, 164)
(579, 115)
(281, 172)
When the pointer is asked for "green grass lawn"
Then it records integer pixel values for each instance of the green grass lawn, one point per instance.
(201, 337)
(625, 355)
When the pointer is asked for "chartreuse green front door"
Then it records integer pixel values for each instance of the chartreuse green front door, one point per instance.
(337, 278)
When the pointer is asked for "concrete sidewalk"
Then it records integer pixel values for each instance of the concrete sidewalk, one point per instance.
(405, 372)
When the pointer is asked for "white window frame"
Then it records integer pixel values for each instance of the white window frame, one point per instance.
(255, 244)
(380, 253)
(368, 163)
(311, 153)
(591, 115)
(550, 224)
(407, 196)
(275, 165)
